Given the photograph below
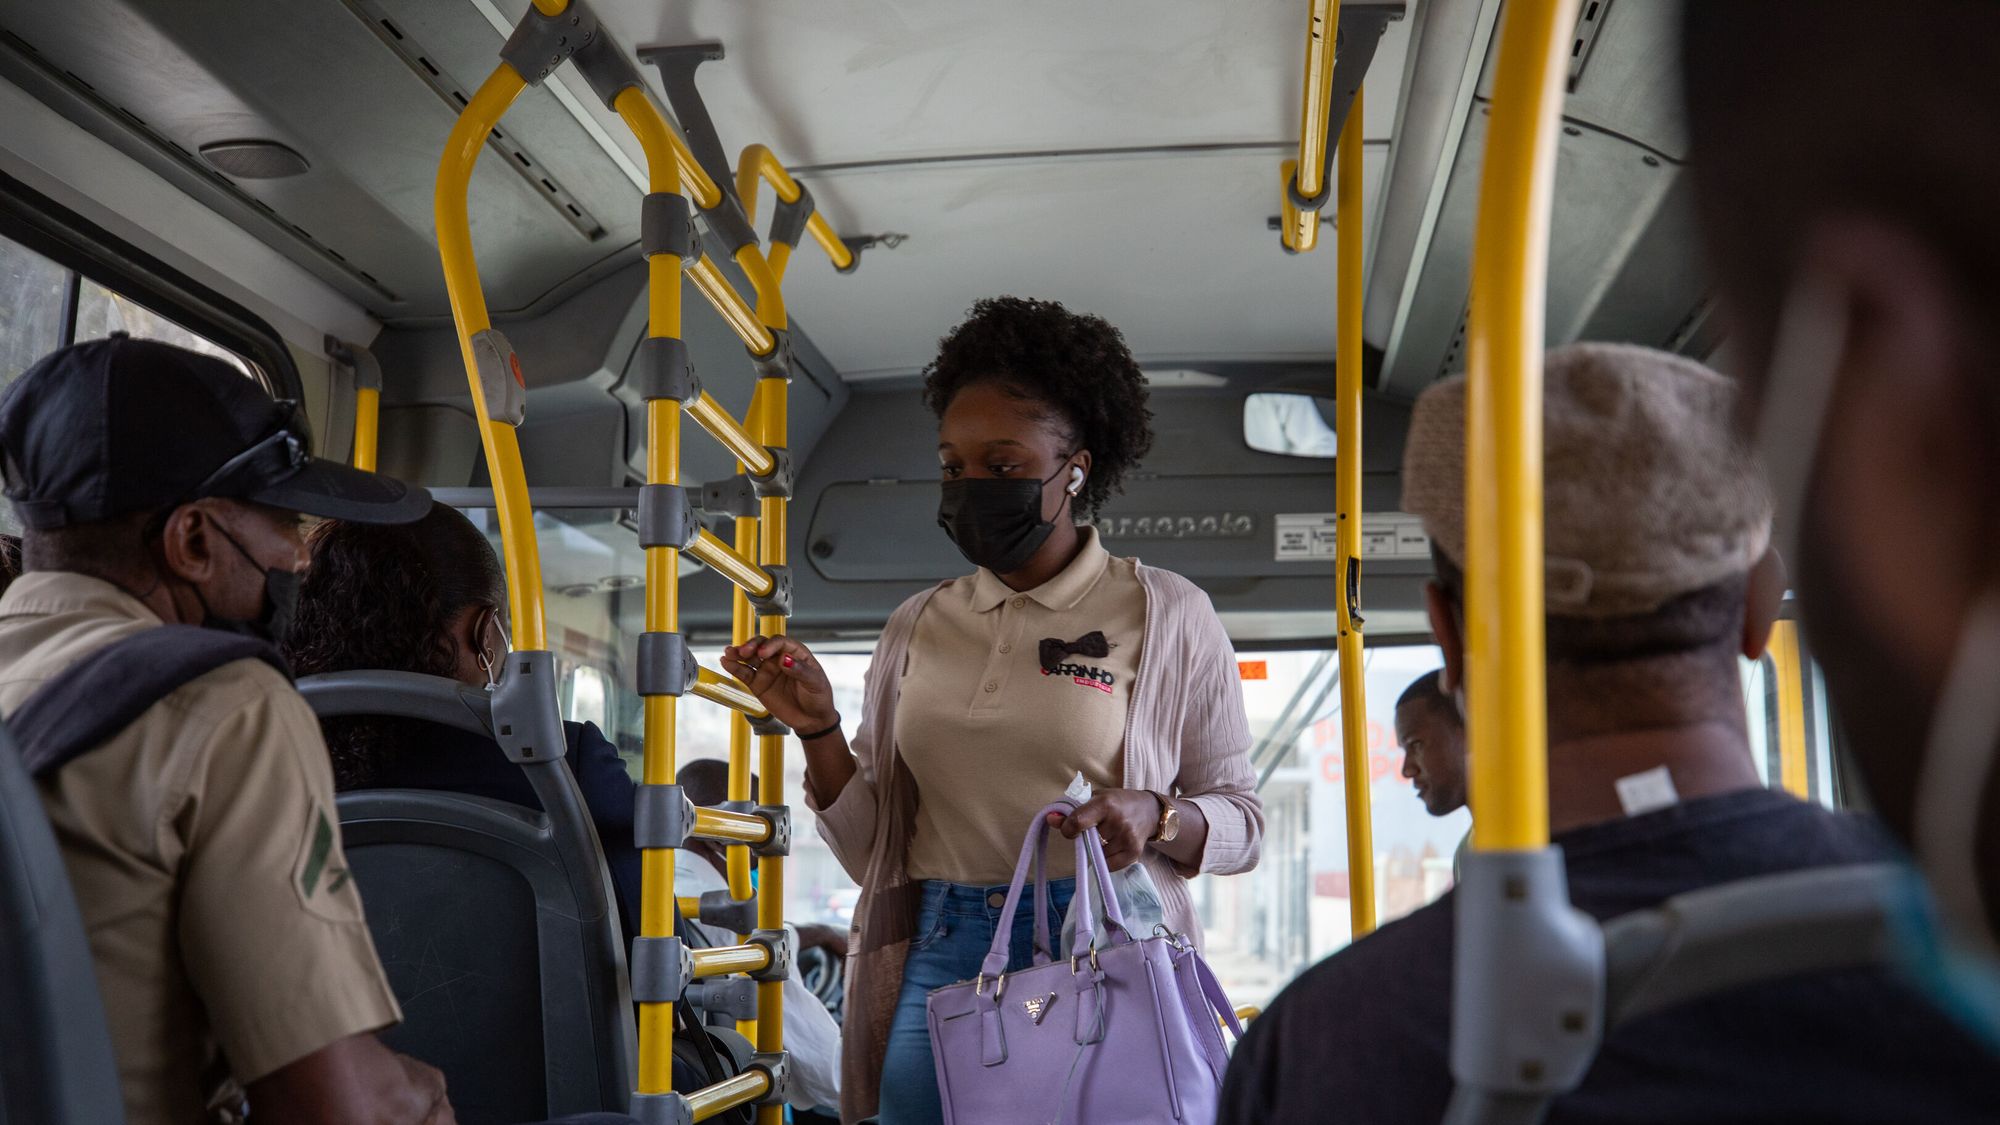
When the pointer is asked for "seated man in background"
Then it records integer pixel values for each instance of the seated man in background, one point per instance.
(810, 1033)
(1432, 734)
(1659, 577)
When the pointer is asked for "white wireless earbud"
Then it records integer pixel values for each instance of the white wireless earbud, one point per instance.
(1075, 479)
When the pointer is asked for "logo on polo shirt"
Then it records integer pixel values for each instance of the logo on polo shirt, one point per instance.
(1053, 650)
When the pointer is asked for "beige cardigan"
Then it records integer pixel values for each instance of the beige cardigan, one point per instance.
(1185, 731)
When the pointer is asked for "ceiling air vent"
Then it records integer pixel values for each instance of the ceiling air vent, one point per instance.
(1589, 21)
(254, 160)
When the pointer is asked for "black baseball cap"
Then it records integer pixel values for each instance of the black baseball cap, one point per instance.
(110, 427)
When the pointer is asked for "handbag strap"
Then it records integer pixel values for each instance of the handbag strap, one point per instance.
(1090, 868)
(1211, 990)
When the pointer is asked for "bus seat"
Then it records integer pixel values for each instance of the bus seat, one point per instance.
(496, 923)
(56, 1063)
(488, 950)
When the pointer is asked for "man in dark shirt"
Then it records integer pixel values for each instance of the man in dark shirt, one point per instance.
(1659, 578)
(1432, 734)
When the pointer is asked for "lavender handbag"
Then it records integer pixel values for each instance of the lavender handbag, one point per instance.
(1127, 1032)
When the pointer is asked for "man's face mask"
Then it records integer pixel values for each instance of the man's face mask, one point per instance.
(281, 601)
(997, 523)
(1878, 695)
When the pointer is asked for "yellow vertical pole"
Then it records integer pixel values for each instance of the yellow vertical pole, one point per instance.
(367, 423)
(1347, 528)
(1788, 676)
(663, 467)
(772, 420)
(742, 624)
(1507, 728)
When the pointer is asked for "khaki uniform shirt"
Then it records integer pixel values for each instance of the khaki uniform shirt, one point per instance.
(205, 854)
(991, 736)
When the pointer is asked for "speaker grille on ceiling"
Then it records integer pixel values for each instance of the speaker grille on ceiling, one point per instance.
(254, 160)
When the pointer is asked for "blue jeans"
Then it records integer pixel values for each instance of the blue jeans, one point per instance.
(955, 928)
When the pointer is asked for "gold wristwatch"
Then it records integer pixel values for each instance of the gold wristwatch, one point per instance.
(1170, 820)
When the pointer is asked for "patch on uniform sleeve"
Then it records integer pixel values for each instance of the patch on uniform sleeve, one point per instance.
(316, 867)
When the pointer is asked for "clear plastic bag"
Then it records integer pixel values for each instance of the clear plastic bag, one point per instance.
(1138, 896)
(1138, 903)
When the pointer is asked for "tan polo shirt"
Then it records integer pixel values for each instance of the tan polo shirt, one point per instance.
(991, 736)
(205, 854)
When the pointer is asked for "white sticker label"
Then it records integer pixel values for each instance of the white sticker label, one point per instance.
(1309, 536)
(1305, 535)
(1647, 791)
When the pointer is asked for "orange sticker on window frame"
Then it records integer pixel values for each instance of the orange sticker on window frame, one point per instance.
(1253, 669)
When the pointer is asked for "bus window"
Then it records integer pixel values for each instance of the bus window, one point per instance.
(1264, 926)
(100, 312)
(31, 308)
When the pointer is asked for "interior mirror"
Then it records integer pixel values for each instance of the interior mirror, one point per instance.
(1293, 425)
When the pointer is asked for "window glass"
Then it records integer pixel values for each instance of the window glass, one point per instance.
(31, 308)
(1294, 425)
(100, 312)
(1264, 926)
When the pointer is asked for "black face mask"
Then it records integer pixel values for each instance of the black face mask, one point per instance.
(281, 603)
(996, 523)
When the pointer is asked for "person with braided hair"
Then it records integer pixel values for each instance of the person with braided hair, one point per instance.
(431, 597)
(989, 693)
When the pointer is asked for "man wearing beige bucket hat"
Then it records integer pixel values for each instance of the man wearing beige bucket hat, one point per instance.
(1659, 577)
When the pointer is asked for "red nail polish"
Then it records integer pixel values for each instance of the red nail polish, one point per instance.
(787, 662)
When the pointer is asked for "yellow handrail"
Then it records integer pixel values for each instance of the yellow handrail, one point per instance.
(1347, 531)
(1787, 676)
(722, 960)
(759, 161)
(718, 688)
(662, 613)
(735, 437)
(723, 559)
(736, 827)
(367, 421)
(469, 316)
(729, 1093)
(741, 317)
(1507, 728)
(1301, 226)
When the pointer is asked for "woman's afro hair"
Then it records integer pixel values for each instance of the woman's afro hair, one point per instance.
(1075, 365)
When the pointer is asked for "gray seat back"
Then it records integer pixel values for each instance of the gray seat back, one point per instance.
(56, 1063)
(496, 923)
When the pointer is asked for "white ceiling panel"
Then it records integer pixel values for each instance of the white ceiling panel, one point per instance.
(1173, 249)
(863, 81)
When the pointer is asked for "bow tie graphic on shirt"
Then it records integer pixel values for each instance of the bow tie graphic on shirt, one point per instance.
(1090, 644)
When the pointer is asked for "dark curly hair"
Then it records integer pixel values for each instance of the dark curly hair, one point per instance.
(384, 597)
(1075, 365)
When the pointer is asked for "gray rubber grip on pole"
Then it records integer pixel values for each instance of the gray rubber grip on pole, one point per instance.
(666, 517)
(666, 667)
(661, 1109)
(541, 44)
(666, 225)
(527, 721)
(661, 969)
(662, 816)
(662, 369)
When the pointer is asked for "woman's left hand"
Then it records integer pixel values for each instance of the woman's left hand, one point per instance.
(1125, 818)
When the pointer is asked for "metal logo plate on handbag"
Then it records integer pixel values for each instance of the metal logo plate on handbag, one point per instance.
(1039, 1006)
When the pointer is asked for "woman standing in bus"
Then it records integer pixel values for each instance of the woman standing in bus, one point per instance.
(987, 694)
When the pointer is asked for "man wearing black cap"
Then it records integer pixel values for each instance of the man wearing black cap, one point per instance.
(1659, 578)
(161, 486)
